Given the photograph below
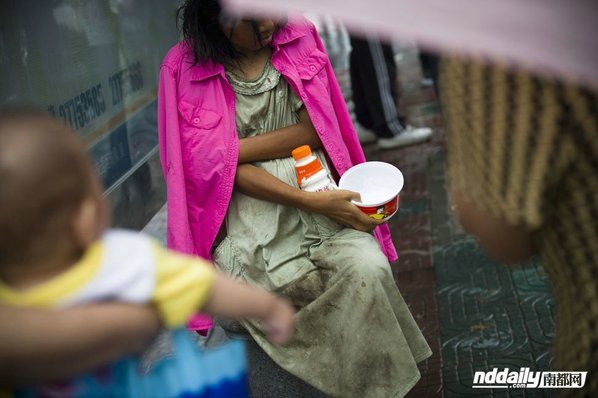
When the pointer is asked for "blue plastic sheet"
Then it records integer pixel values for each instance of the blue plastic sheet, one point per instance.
(189, 372)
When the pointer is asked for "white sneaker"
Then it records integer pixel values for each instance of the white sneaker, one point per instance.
(410, 136)
(365, 136)
(426, 82)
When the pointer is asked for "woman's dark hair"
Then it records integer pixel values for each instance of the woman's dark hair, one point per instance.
(201, 28)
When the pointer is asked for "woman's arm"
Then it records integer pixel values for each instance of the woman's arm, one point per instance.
(279, 143)
(40, 345)
(260, 184)
(336, 204)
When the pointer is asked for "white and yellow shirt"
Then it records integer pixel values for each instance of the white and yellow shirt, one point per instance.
(130, 267)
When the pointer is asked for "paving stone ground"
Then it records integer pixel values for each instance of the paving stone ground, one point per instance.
(477, 314)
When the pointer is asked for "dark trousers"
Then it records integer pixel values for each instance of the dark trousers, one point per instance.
(429, 62)
(373, 81)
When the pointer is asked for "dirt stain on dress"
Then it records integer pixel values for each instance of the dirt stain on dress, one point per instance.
(307, 288)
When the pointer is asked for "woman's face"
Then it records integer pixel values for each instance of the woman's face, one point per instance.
(243, 37)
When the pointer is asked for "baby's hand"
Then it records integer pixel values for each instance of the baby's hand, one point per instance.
(279, 322)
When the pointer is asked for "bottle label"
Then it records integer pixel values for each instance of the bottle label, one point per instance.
(322, 185)
(307, 170)
(326, 188)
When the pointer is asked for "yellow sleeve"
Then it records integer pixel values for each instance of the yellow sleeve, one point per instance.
(183, 285)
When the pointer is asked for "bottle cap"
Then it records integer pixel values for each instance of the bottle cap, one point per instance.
(301, 152)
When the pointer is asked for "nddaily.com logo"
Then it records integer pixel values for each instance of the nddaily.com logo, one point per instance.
(524, 378)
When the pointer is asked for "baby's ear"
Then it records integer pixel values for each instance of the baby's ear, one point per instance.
(85, 223)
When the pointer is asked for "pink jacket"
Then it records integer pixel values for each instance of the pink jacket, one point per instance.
(198, 136)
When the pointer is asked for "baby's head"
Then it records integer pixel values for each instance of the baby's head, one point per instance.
(51, 206)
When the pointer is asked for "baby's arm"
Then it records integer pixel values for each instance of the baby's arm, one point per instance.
(279, 143)
(186, 285)
(232, 299)
(39, 345)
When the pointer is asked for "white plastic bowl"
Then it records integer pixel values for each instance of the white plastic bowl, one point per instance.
(379, 185)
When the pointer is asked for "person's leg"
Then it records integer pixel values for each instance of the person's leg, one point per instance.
(391, 67)
(355, 336)
(429, 62)
(360, 79)
(376, 76)
(351, 252)
(375, 105)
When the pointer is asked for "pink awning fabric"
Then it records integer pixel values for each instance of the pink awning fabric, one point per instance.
(551, 37)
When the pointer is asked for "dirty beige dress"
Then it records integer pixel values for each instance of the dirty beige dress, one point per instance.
(355, 336)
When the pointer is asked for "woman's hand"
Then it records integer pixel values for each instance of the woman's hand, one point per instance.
(337, 205)
(260, 184)
(510, 244)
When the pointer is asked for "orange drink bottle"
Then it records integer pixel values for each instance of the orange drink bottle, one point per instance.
(311, 176)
